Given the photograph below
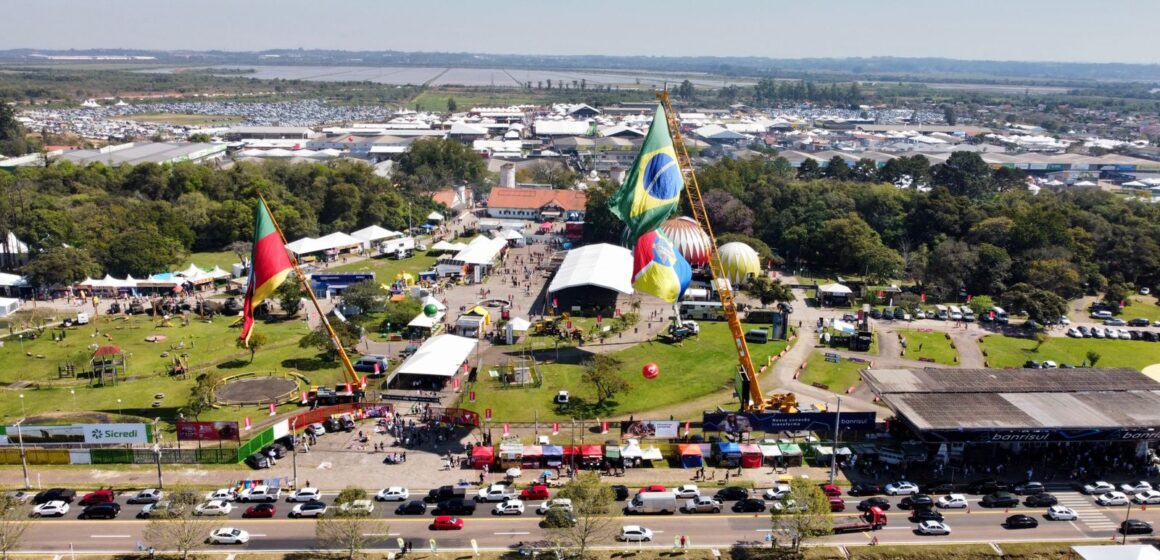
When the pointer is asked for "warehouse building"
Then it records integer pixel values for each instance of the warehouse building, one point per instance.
(591, 278)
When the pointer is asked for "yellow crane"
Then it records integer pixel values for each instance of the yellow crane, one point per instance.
(757, 400)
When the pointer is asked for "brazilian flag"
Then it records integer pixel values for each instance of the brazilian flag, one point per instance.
(653, 186)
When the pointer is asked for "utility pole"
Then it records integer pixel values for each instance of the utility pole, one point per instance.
(23, 460)
(1124, 527)
(157, 453)
(834, 452)
(294, 441)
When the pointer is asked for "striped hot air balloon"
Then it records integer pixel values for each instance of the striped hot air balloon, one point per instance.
(689, 239)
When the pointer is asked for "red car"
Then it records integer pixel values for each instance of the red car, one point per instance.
(447, 523)
(654, 488)
(837, 504)
(260, 510)
(104, 496)
(831, 490)
(535, 492)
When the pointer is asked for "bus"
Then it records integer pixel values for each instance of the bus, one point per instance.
(999, 315)
(941, 313)
(956, 313)
(702, 310)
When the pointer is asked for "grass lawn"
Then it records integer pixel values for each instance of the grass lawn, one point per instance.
(838, 377)
(926, 552)
(209, 259)
(209, 344)
(184, 119)
(1005, 351)
(697, 367)
(385, 268)
(931, 345)
(1142, 306)
(1043, 550)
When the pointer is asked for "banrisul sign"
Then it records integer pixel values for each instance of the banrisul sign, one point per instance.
(115, 433)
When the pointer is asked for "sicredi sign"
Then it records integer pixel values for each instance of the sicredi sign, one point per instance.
(115, 433)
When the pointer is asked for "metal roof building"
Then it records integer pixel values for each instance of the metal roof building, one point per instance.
(152, 152)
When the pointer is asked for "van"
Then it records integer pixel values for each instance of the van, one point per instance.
(941, 313)
(82, 318)
(759, 336)
(366, 364)
(1102, 314)
(653, 502)
(956, 313)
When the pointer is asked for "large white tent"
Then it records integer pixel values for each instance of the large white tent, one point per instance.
(480, 251)
(603, 265)
(8, 306)
(334, 241)
(440, 356)
(371, 235)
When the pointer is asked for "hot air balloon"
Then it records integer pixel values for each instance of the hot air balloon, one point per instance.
(739, 261)
(689, 239)
(650, 370)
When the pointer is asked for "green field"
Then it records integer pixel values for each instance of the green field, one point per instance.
(184, 119)
(1142, 306)
(1004, 351)
(209, 345)
(838, 377)
(209, 259)
(699, 366)
(931, 345)
(385, 268)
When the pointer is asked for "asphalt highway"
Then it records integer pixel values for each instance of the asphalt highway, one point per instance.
(726, 529)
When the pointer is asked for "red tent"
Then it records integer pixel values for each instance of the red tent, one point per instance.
(751, 456)
(591, 456)
(481, 456)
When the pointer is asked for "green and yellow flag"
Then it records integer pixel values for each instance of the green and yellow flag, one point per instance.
(652, 188)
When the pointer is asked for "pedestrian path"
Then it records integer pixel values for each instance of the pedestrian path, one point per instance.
(1094, 517)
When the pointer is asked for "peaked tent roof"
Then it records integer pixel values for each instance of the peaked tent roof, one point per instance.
(442, 356)
(602, 265)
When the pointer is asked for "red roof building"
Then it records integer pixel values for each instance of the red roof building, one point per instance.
(536, 203)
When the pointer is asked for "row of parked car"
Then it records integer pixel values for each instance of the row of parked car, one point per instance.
(1113, 333)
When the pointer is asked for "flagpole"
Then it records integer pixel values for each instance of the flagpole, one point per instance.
(349, 369)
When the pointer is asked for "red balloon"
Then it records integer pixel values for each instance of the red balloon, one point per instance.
(650, 371)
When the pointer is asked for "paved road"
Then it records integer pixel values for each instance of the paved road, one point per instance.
(726, 529)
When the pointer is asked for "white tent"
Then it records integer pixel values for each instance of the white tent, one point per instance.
(444, 247)
(12, 280)
(834, 289)
(441, 356)
(520, 324)
(422, 321)
(435, 217)
(480, 251)
(511, 235)
(429, 300)
(1134, 185)
(1085, 184)
(603, 265)
(336, 240)
(372, 234)
(8, 306)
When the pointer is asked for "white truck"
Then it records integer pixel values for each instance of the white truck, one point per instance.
(260, 493)
(495, 493)
(399, 248)
(653, 502)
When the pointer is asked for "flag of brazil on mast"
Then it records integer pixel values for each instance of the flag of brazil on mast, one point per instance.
(653, 186)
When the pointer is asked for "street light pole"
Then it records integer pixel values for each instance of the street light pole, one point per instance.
(157, 453)
(834, 451)
(23, 460)
(1124, 527)
(294, 442)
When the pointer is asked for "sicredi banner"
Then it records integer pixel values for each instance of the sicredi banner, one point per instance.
(115, 433)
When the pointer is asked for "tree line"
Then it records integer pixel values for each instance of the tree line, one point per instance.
(141, 219)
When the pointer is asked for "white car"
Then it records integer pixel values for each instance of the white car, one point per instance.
(932, 527)
(393, 494)
(224, 494)
(1147, 498)
(1074, 333)
(901, 488)
(1098, 487)
(1145, 291)
(147, 496)
(1048, 364)
(686, 491)
(229, 535)
(316, 428)
(1135, 487)
(357, 507)
(55, 508)
(214, 507)
(777, 493)
(304, 495)
(510, 507)
(950, 501)
(1125, 335)
(563, 504)
(1064, 320)
(309, 509)
(1112, 499)
(1061, 513)
(634, 533)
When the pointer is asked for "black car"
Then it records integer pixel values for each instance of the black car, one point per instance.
(458, 506)
(53, 494)
(1021, 521)
(621, 492)
(865, 490)
(916, 502)
(918, 516)
(731, 493)
(1041, 500)
(899, 313)
(1136, 527)
(988, 485)
(277, 448)
(875, 314)
(101, 511)
(1000, 499)
(939, 487)
(749, 505)
(1029, 488)
(876, 501)
(413, 507)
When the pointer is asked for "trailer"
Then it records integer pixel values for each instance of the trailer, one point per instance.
(872, 520)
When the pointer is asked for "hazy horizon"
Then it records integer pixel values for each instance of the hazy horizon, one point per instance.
(1028, 30)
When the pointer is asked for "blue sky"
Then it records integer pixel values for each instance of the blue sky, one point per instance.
(1059, 30)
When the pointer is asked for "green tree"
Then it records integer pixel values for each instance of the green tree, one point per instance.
(1093, 358)
(399, 313)
(837, 169)
(1009, 179)
(60, 266)
(600, 225)
(200, 138)
(14, 521)
(366, 295)
(808, 519)
(981, 305)
(949, 115)
(1055, 275)
(548, 173)
(965, 174)
(350, 494)
(768, 291)
(602, 371)
(348, 334)
(349, 530)
(452, 106)
(1040, 305)
(141, 252)
(290, 295)
(257, 340)
(433, 163)
(594, 507)
(809, 170)
(1117, 294)
(178, 529)
(12, 133)
(686, 90)
(201, 395)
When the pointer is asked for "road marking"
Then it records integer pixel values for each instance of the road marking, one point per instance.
(257, 534)
(109, 536)
(380, 534)
(519, 533)
(761, 530)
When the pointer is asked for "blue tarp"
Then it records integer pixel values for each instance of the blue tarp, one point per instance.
(728, 448)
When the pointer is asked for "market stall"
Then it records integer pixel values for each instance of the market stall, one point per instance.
(533, 456)
(751, 457)
(553, 455)
(727, 454)
(510, 455)
(591, 456)
(482, 457)
(613, 457)
(691, 457)
(791, 454)
(770, 452)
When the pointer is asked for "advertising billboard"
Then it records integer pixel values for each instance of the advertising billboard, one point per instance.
(734, 422)
(207, 431)
(639, 429)
(79, 433)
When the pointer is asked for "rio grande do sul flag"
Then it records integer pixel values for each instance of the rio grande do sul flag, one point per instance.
(653, 186)
(269, 266)
(658, 268)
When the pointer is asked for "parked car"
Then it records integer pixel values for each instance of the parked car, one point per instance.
(749, 505)
(1000, 499)
(932, 527)
(55, 508)
(1112, 499)
(1041, 500)
(101, 511)
(921, 515)
(214, 507)
(634, 533)
(357, 507)
(535, 492)
(1150, 497)
(147, 496)
(830, 490)
(1098, 487)
(620, 491)
(1138, 322)
(1021, 521)
(1136, 527)
(939, 487)
(901, 488)
(413, 507)
(223, 494)
(316, 428)
(1028, 488)
(952, 501)
(1061, 513)
(446, 523)
(366, 364)
(1135, 487)
(393, 494)
(986, 486)
(877, 501)
(304, 495)
(55, 494)
(687, 491)
(228, 535)
(260, 511)
(916, 501)
(509, 507)
(731, 493)
(861, 490)
(777, 492)
(555, 503)
(102, 496)
(702, 504)
(313, 508)
(260, 493)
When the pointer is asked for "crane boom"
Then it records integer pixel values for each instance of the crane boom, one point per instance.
(721, 282)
